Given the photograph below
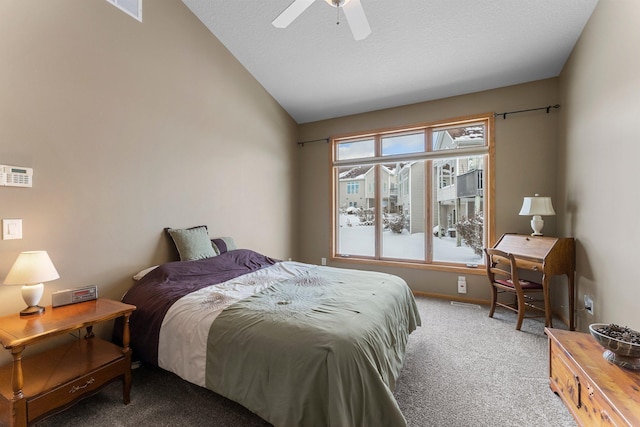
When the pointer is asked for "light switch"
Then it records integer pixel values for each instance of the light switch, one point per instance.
(11, 229)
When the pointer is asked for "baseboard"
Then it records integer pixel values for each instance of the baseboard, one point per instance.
(557, 316)
(452, 298)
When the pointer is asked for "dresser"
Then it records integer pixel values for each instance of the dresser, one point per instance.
(38, 385)
(549, 256)
(596, 392)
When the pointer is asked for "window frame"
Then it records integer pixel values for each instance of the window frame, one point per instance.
(487, 149)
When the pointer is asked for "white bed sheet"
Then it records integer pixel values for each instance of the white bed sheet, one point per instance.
(185, 328)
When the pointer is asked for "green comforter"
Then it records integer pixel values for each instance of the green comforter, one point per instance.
(321, 349)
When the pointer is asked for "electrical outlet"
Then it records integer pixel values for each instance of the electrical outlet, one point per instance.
(588, 304)
(323, 261)
(462, 285)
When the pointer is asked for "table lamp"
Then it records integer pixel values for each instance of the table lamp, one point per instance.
(537, 206)
(30, 270)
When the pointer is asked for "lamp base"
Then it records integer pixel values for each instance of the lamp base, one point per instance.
(32, 311)
(536, 225)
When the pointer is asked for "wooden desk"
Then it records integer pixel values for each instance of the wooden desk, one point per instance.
(39, 385)
(548, 255)
(596, 392)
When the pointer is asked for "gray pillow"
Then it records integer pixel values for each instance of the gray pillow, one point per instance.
(223, 244)
(192, 243)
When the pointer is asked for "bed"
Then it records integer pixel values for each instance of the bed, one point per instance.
(297, 344)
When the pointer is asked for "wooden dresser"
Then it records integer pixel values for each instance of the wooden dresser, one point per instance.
(596, 392)
(36, 386)
(549, 256)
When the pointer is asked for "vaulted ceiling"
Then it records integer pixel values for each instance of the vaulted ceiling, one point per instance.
(418, 50)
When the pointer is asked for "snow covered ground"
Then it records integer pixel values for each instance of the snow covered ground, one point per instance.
(358, 239)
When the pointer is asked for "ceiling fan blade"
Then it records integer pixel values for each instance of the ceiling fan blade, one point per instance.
(291, 13)
(357, 19)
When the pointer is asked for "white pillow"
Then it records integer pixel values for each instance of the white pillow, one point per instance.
(139, 275)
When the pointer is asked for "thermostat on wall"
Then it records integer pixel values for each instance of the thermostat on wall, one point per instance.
(72, 296)
(16, 176)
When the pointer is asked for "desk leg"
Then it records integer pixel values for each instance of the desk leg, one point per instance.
(572, 301)
(548, 317)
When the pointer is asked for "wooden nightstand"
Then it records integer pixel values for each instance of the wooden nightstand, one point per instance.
(39, 385)
(596, 392)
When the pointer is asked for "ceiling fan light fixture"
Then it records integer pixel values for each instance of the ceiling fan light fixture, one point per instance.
(352, 9)
(337, 3)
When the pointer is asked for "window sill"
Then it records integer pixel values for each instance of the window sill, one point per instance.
(453, 268)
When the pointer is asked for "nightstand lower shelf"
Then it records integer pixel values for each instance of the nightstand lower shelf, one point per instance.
(33, 387)
(58, 378)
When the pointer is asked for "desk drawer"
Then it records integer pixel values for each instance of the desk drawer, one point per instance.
(73, 390)
(521, 263)
(529, 265)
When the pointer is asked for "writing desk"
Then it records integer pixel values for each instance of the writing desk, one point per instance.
(550, 256)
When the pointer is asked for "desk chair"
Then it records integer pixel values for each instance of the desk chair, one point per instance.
(503, 277)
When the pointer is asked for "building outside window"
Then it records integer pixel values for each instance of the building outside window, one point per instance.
(426, 201)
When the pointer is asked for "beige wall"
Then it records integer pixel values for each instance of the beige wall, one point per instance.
(131, 127)
(600, 92)
(134, 127)
(526, 163)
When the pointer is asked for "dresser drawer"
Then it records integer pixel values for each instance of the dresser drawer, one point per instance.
(74, 390)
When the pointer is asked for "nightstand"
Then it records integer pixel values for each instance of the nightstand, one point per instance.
(36, 386)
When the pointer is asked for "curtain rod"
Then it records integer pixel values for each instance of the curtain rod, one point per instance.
(548, 107)
(301, 143)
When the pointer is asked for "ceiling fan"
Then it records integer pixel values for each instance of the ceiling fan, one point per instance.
(352, 10)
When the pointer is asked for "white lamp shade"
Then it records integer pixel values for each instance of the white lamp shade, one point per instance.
(31, 268)
(537, 206)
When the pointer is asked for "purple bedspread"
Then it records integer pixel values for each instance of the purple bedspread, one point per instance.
(154, 294)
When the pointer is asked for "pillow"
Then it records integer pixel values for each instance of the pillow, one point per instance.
(192, 243)
(139, 275)
(223, 244)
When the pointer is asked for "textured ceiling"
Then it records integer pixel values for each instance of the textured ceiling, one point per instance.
(418, 50)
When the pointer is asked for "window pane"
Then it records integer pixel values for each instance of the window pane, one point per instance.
(403, 210)
(355, 149)
(414, 201)
(403, 144)
(356, 211)
(460, 137)
(458, 194)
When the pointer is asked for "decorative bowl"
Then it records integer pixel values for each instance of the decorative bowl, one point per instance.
(620, 352)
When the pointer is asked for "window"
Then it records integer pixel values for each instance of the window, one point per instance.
(353, 187)
(425, 199)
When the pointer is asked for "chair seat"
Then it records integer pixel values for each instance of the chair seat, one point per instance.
(524, 284)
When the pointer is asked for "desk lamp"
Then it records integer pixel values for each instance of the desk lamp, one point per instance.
(30, 270)
(537, 206)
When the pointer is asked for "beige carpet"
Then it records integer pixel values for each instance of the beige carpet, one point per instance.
(462, 368)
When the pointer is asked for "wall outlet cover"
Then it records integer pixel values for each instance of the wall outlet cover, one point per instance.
(462, 285)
